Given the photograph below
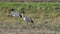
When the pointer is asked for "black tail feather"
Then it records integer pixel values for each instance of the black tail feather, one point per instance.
(32, 21)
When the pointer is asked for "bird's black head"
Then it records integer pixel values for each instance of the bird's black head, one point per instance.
(11, 9)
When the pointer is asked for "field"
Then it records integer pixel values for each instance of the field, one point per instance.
(46, 16)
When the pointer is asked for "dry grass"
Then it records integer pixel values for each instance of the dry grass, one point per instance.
(46, 15)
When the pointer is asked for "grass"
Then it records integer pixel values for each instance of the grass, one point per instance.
(44, 14)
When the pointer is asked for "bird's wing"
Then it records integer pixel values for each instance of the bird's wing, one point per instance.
(28, 18)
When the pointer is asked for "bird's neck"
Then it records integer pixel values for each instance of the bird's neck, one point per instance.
(22, 15)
